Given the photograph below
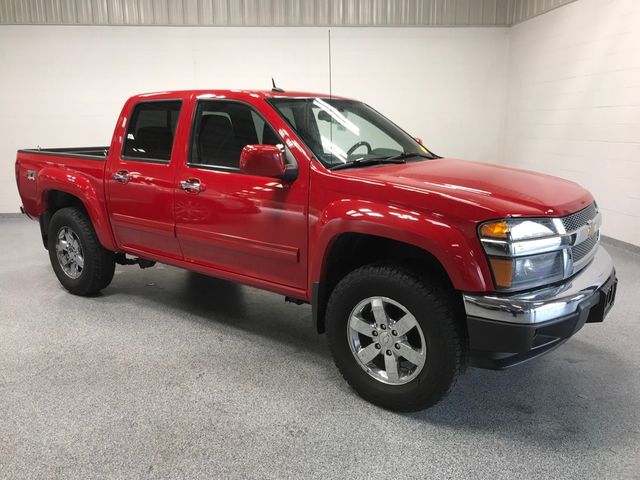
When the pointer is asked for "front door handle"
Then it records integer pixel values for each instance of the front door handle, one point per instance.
(121, 176)
(192, 185)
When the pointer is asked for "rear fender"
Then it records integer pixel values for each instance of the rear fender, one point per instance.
(81, 187)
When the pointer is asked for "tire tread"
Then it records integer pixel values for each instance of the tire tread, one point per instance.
(443, 302)
(99, 262)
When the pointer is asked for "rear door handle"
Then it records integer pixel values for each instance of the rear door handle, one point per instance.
(192, 185)
(121, 176)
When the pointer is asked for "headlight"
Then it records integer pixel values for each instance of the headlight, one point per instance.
(525, 253)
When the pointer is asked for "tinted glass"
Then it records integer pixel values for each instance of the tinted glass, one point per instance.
(221, 131)
(341, 131)
(151, 130)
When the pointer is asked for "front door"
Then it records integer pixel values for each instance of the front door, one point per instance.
(141, 181)
(225, 219)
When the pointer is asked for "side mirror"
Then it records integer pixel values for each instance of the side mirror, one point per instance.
(262, 161)
(419, 140)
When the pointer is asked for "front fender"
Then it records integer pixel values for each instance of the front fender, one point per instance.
(83, 188)
(458, 250)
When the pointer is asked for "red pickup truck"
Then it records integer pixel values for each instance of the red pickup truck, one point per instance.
(414, 264)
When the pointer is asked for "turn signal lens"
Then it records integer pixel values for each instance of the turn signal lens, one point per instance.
(502, 271)
(524, 253)
(494, 229)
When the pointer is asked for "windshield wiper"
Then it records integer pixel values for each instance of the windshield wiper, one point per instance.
(405, 155)
(362, 162)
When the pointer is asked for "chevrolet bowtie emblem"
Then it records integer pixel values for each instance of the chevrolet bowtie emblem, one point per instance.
(592, 227)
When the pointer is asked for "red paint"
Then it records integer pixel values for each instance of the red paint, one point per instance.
(262, 161)
(254, 227)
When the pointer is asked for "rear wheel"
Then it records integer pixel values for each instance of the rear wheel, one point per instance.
(395, 337)
(81, 264)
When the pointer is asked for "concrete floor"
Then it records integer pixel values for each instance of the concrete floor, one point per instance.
(169, 374)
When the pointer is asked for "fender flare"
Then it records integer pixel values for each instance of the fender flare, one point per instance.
(81, 187)
(460, 254)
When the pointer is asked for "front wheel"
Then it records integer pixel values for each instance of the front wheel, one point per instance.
(395, 337)
(81, 264)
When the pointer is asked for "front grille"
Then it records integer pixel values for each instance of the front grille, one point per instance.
(582, 249)
(576, 220)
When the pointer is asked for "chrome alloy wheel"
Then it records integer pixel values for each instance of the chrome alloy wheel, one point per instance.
(386, 340)
(69, 252)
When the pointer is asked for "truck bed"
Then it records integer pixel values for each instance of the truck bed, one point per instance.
(98, 153)
(40, 169)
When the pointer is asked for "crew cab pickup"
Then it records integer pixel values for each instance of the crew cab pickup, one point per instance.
(414, 264)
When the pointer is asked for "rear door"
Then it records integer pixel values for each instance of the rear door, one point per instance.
(141, 180)
(249, 225)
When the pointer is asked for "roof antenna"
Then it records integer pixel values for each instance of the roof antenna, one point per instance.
(274, 88)
(329, 38)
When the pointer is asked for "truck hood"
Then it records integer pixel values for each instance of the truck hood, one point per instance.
(495, 190)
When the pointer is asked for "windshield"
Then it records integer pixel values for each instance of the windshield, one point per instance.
(346, 132)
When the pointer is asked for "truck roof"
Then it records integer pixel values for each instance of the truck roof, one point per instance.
(234, 93)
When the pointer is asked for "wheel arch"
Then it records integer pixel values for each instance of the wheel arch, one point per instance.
(348, 251)
(54, 200)
(57, 197)
(351, 232)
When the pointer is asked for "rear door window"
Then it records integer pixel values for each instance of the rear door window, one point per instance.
(151, 131)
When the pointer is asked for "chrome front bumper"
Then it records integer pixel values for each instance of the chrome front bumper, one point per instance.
(547, 304)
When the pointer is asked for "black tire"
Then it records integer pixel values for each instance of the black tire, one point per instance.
(434, 309)
(99, 263)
